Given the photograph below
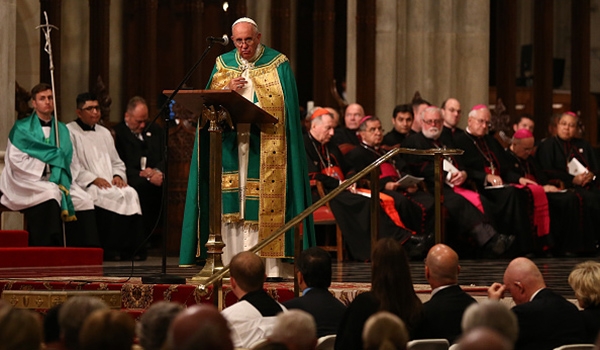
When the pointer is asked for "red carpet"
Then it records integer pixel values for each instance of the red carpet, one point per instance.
(14, 253)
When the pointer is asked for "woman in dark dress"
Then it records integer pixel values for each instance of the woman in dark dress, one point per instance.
(391, 290)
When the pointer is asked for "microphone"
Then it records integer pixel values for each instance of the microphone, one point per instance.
(224, 40)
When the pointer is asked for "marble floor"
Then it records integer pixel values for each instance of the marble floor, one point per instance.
(473, 272)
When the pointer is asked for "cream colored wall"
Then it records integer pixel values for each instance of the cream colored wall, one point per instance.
(74, 55)
(27, 66)
(438, 47)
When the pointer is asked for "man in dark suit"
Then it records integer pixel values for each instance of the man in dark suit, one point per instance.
(546, 319)
(443, 313)
(142, 153)
(314, 277)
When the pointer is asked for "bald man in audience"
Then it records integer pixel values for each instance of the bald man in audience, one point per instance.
(253, 317)
(443, 313)
(483, 338)
(546, 319)
(199, 327)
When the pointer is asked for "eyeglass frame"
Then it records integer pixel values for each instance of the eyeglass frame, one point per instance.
(91, 108)
(241, 42)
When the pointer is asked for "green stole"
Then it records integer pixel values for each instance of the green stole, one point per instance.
(28, 137)
(295, 186)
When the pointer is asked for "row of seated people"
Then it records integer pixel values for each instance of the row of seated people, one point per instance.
(541, 318)
(498, 200)
(95, 184)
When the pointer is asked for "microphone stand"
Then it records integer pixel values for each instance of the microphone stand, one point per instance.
(163, 277)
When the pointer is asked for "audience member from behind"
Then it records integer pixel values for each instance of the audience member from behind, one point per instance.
(546, 319)
(384, 331)
(296, 329)
(314, 278)
(494, 315)
(72, 316)
(483, 338)
(107, 329)
(52, 329)
(253, 316)
(391, 290)
(154, 323)
(443, 313)
(19, 329)
(199, 327)
(585, 281)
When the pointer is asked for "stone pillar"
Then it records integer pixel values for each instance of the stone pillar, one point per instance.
(74, 60)
(8, 44)
(439, 47)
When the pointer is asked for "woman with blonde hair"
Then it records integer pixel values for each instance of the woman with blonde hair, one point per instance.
(585, 281)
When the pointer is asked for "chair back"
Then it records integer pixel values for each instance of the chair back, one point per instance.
(428, 344)
(326, 342)
(576, 347)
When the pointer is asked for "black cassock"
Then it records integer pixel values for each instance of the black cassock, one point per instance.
(513, 206)
(352, 211)
(465, 219)
(394, 138)
(415, 209)
(566, 224)
(553, 155)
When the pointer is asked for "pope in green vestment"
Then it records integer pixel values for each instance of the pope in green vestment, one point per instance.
(276, 185)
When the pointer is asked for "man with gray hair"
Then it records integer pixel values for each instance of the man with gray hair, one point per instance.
(199, 327)
(492, 314)
(72, 315)
(265, 161)
(443, 312)
(484, 338)
(154, 323)
(469, 214)
(296, 329)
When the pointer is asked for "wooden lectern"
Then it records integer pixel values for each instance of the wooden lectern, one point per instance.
(216, 108)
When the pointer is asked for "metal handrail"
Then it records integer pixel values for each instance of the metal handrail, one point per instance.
(342, 187)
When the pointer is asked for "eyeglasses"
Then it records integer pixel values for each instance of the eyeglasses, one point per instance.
(373, 130)
(241, 42)
(569, 125)
(483, 121)
(432, 122)
(92, 108)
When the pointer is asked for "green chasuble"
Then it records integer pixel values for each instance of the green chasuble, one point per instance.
(277, 163)
(27, 136)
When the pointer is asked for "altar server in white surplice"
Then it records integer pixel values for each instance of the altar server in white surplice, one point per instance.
(37, 179)
(104, 178)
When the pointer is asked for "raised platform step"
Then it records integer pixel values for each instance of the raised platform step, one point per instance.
(13, 238)
(50, 256)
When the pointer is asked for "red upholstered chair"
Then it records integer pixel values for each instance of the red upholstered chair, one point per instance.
(324, 216)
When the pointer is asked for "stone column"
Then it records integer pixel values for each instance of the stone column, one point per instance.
(439, 47)
(8, 29)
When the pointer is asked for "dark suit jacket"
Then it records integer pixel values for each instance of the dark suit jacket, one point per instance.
(591, 319)
(442, 314)
(548, 321)
(323, 306)
(131, 149)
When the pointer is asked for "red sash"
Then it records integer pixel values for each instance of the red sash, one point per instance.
(387, 203)
(334, 171)
(471, 196)
(541, 217)
(388, 170)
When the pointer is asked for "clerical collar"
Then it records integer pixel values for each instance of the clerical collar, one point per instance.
(45, 123)
(84, 126)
